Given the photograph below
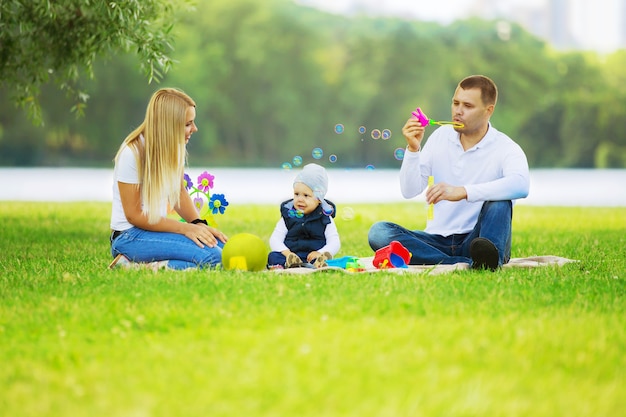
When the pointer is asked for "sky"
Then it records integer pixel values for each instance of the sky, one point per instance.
(594, 24)
(597, 24)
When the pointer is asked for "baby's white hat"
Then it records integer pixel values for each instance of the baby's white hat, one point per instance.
(314, 176)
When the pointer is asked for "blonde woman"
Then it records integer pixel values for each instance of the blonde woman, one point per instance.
(148, 177)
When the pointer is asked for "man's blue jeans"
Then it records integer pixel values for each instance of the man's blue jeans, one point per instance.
(140, 245)
(494, 223)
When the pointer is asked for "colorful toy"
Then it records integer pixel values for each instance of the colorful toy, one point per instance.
(394, 255)
(425, 121)
(208, 205)
(245, 252)
(346, 262)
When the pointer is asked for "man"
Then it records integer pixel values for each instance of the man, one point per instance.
(478, 171)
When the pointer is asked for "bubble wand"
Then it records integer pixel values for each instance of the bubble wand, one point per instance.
(425, 121)
(431, 206)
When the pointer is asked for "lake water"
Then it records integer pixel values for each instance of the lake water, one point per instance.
(549, 187)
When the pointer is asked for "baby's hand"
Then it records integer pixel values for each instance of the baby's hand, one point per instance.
(312, 256)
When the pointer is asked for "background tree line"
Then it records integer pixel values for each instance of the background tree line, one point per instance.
(272, 79)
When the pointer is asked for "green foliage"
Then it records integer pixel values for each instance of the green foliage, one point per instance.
(272, 79)
(78, 339)
(59, 41)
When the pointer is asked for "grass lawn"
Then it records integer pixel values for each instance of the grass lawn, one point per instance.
(79, 340)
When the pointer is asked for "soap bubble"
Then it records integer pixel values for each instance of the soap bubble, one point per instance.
(347, 213)
(370, 167)
(399, 154)
(362, 130)
(339, 128)
(286, 166)
(295, 213)
(376, 134)
(386, 134)
(297, 160)
(332, 158)
(317, 153)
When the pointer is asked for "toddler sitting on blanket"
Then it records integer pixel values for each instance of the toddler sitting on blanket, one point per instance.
(305, 234)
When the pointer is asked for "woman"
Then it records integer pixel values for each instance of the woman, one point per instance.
(148, 178)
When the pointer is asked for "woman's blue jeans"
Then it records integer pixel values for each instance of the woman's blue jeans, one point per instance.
(140, 245)
(494, 223)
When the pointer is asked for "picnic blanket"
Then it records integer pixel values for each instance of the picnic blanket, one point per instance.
(367, 266)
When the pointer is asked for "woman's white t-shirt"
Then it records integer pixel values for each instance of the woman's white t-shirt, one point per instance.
(125, 171)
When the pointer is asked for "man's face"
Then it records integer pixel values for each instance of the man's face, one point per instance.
(469, 109)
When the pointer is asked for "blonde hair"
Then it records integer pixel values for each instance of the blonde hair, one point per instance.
(162, 154)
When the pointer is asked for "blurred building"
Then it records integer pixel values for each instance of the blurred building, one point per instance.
(565, 24)
(598, 25)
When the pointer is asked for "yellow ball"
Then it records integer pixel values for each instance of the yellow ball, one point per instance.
(245, 252)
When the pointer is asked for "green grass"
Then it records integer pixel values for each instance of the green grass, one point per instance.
(79, 340)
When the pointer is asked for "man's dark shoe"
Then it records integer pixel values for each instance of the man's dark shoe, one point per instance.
(484, 254)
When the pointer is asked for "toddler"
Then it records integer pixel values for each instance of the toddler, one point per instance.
(306, 231)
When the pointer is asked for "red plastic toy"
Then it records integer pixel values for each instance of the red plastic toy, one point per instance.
(394, 255)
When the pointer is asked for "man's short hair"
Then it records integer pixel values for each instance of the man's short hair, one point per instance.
(488, 89)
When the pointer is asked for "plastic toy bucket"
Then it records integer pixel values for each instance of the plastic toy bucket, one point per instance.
(394, 255)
